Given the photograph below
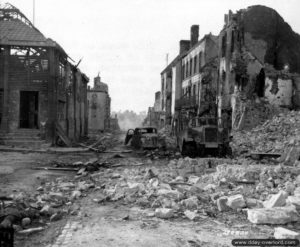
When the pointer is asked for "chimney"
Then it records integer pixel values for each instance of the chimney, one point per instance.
(194, 34)
(184, 45)
(97, 81)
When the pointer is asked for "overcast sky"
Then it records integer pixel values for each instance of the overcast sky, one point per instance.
(127, 40)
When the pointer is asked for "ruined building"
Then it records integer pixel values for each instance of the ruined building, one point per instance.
(154, 113)
(243, 76)
(99, 106)
(259, 66)
(42, 95)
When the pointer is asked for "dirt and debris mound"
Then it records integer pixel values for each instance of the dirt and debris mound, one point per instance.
(274, 136)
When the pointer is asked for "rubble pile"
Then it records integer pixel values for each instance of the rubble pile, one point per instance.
(51, 202)
(102, 141)
(274, 136)
(200, 188)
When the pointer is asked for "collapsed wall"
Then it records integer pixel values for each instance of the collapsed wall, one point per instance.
(259, 65)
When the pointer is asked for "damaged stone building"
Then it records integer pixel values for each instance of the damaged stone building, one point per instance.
(189, 82)
(259, 66)
(154, 113)
(42, 95)
(99, 106)
(247, 73)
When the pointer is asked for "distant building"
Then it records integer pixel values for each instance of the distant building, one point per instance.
(99, 106)
(114, 123)
(154, 113)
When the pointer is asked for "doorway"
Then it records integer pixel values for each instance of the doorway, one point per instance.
(29, 103)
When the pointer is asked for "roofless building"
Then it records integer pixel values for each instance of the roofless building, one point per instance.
(42, 95)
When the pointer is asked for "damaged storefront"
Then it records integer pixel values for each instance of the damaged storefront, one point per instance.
(42, 95)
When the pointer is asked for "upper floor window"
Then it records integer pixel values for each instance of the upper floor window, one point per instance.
(200, 60)
(195, 64)
(224, 40)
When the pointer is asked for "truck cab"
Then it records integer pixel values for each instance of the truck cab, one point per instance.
(203, 135)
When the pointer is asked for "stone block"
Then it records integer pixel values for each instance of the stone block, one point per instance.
(236, 201)
(222, 204)
(191, 215)
(164, 213)
(277, 200)
(283, 233)
(274, 216)
(294, 200)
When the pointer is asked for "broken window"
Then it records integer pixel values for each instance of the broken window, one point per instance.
(191, 66)
(260, 84)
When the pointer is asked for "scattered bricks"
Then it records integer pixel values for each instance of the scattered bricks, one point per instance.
(289, 187)
(143, 202)
(78, 163)
(274, 216)
(26, 222)
(260, 188)
(57, 216)
(215, 196)
(47, 210)
(254, 203)
(174, 194)
(236, 201)
(190, 203)
(115, 175)
(277, 200)
(222, 204)
(57, 195)
(75, 195)
(179, 179)
(210, 187)
(294, 200)
(283, 233)
(297, 191)
(291, 156)
(135, 187)
(194, 179)
(164, 213)
(191, 215)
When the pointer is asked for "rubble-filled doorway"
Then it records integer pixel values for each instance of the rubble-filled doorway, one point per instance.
(29, 102)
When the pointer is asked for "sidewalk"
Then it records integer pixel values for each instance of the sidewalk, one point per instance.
(54, 150)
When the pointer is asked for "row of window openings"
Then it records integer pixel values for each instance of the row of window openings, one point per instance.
(189, 91)
(190, 67)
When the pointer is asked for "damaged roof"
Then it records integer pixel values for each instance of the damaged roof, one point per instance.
(16, 29)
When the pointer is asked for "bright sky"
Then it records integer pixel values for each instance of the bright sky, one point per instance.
(127, 40)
